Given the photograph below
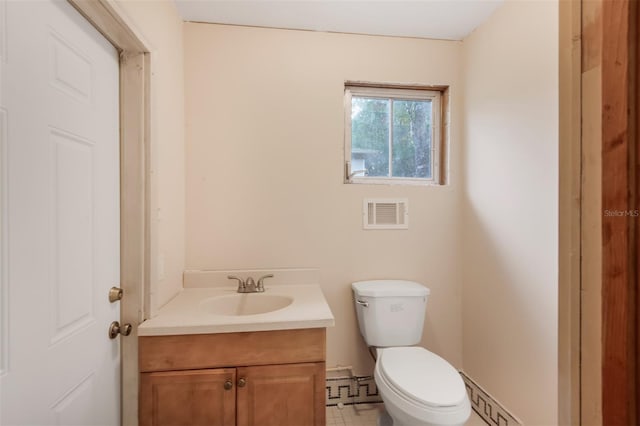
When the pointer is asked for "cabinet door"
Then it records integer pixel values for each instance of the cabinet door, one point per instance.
(188, 398)
(281, 395)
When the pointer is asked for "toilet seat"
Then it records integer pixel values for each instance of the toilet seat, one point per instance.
(421, 376)
(409, 379)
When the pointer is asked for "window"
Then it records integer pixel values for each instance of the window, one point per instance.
(392, 135)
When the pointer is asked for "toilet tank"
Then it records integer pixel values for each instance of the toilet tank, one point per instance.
(390, 312)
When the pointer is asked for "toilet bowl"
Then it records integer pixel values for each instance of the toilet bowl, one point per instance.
(418, 387)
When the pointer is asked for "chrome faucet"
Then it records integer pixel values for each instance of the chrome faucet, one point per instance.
(250, 286)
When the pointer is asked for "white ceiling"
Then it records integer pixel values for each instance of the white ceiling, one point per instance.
(440, 19)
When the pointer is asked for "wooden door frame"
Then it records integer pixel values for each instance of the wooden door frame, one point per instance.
(135, 71)
(569, 214)
(620, 161)
(609, 40)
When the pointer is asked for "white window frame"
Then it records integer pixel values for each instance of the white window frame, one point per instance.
(435, 96)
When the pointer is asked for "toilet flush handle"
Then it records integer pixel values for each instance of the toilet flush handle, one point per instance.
(363, 303)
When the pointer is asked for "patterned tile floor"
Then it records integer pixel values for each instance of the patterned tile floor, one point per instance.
(367, 414)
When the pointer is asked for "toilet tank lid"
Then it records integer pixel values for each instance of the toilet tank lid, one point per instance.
(389, 288)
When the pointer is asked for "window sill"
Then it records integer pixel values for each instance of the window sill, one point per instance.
(393, 181)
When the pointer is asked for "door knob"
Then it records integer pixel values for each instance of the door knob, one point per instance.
(115, 328)
(228, 385)
(242, 382)
(115, 294)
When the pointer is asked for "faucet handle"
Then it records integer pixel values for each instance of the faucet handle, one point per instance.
(240, 281)
(261, 281)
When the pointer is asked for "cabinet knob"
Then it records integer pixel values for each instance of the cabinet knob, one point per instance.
(242, 382)
(228, 385)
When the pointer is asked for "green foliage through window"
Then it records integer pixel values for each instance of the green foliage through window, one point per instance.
(391, 137)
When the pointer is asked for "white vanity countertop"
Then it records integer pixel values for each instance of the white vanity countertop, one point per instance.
(187, 312)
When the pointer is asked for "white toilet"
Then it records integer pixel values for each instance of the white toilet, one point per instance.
(418, 387)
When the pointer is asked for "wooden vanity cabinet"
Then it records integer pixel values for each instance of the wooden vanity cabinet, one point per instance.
(286, 394)
(244, 379)
(195, 397)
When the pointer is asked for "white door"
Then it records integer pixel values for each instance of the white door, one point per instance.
(61, 235)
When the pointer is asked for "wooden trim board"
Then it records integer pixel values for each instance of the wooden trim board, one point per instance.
(569, 251)
(107, 17)
(619, 195)
(635, 71)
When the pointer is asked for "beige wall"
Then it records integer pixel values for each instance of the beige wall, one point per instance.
(510, 226)
(264, 131)
(161, 26)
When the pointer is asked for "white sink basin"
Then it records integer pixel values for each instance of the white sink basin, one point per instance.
(220, 309)
(244, 304)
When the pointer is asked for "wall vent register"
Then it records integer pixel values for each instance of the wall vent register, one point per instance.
(385, 213)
